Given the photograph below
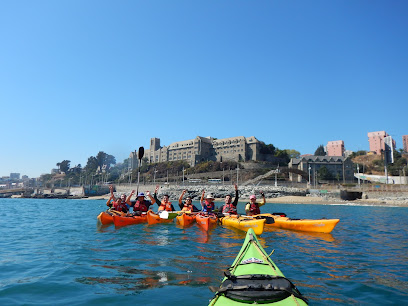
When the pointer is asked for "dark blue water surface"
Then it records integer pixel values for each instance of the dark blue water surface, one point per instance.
(53, 253)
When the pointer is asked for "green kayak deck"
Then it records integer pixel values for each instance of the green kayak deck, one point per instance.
(254, 278)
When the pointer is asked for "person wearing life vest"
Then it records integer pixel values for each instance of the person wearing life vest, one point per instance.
(122, 204)
(252, 207)
(207, 204)
(165, 204)
(187, 205)
(231, 207)
(141, 205)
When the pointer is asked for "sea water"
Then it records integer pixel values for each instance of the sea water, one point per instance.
(52, 252)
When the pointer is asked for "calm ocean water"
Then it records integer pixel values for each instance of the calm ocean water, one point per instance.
(53, 253)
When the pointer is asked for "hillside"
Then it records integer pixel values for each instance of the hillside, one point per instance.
(370, 164)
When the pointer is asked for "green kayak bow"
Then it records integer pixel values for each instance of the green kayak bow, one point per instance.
(254, 278)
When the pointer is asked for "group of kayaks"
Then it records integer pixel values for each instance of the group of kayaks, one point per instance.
(253, 278)
(208, 221)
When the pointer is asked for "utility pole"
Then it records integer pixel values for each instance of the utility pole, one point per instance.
(183, 176)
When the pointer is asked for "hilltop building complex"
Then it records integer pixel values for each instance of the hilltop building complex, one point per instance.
(201, 149)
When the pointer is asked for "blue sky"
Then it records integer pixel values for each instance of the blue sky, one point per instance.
(79, 77)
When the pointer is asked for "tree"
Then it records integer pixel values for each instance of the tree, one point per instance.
(267, 149)
(358, 153)
(292, 153)
(320, 151)
(64, 165)
(92, 164)
(105, 159)
(283, 155)
(325, 174)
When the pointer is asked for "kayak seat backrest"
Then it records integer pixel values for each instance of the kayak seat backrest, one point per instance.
(258, 288)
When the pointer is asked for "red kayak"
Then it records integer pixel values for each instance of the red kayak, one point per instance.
(206, 221)
(186, 219)
(153, 218)
(129, 220)
(106, 217)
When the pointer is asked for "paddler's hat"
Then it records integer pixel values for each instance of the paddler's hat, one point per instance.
(252, 197)
(141, 194)
(210, 196)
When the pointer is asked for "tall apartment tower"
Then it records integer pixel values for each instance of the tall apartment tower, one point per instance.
(335, 148)
(405, 143)
(378, 141)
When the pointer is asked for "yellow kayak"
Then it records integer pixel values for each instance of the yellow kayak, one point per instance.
(244, 223)
(306, 225)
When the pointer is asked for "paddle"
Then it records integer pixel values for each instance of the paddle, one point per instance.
(140, 155)
(167, 215)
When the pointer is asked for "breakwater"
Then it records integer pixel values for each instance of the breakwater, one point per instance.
(218, 191)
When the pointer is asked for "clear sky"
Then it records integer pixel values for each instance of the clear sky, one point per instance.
(78, 77)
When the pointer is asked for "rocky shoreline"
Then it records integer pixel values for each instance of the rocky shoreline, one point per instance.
(282, 195)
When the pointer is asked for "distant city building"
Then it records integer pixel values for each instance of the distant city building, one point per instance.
(201, 149)
(335, 148)
(377, 142)
(341, 168)
(405, 143)
(14, 176)
(347, 153)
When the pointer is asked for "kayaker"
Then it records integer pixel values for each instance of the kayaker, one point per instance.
(165, 204)
(231, 207)
(122, 204)
(187, 205)
(142, 205)
(207, 204)
(252, 207)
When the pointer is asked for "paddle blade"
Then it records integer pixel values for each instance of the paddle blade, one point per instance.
(140, 152)
(164, 214)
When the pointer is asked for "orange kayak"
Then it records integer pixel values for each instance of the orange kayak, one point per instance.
(206, 222)
(306, 225)
(106, 217)
(129, 220)
(186, 219)
(153, 218)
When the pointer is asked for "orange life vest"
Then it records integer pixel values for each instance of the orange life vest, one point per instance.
(165, 206)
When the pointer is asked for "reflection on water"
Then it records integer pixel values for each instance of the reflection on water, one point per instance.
(132, 279)
(301, 235)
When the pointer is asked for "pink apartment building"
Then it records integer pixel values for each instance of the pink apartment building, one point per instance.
(335, 148)
(405, 142)
(377, 141)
